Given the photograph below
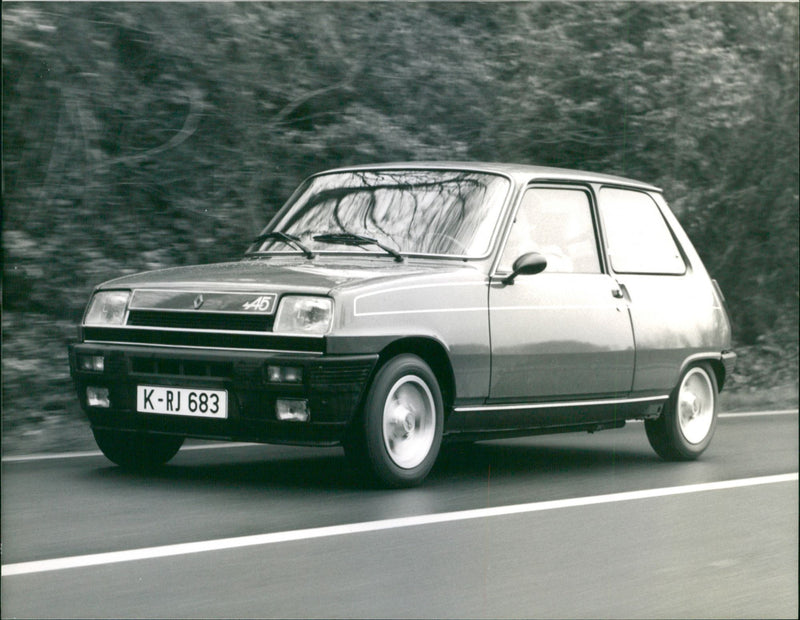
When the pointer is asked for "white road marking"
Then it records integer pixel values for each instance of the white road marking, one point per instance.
(744, 414)
(98, 559)
(757, 414)
(49, 457)
(75, 455)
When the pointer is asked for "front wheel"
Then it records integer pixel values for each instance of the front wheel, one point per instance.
(402, 423)
(684, 429)
(136, 451)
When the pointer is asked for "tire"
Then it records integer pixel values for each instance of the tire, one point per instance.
(401, 430)
(137, 451)
(684, 429)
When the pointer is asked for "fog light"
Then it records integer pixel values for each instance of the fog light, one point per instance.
(97, 397)
(91, 362)
(292, 410)
(284, 374)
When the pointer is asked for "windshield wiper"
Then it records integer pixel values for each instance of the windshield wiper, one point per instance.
(357, 240)
(286, 238)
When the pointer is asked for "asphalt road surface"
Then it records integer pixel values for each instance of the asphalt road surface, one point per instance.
(564, 526)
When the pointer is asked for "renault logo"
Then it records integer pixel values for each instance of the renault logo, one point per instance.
(198, 301)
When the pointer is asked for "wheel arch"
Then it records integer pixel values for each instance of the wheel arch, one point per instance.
(714, 360)
(434, 354)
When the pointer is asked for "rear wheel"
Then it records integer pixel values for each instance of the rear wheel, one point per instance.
(136, 451)
(685, 428)
(402, 424)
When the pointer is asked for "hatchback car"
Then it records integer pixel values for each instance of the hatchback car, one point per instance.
(388, 308)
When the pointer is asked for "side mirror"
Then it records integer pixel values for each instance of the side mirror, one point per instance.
(526, 265)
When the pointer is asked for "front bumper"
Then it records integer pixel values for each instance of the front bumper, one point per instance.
(333, 386)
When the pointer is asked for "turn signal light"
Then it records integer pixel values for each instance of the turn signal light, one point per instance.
(284, 374)
(95, 363)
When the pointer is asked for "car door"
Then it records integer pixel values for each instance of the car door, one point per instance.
(565, 333)
(673, 306)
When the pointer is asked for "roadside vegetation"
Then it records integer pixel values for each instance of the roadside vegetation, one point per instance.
(146, 135)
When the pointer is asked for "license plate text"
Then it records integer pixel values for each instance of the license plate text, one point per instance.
(182, 401)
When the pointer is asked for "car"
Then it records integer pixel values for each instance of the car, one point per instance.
(389, 308)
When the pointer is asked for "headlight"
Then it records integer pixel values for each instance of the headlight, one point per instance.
(304, 315)
(107, 308)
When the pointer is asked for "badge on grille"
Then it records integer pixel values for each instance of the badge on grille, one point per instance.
(198, 301)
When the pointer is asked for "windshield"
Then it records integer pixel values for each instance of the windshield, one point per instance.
(439, 212)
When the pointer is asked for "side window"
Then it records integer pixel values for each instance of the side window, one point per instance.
(638, 238)
(557, 223)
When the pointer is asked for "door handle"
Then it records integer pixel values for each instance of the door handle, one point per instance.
(617, 292)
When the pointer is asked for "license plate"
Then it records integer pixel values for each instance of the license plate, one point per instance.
(182, 401)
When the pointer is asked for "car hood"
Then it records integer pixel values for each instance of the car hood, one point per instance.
(318, 276)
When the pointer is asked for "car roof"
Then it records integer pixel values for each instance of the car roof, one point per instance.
(522, 173)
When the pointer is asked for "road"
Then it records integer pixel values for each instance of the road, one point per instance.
(562, 526)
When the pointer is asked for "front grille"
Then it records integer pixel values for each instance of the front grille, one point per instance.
(201, 320)
(183, 368)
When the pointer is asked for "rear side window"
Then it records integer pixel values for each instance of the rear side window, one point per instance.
(638, 238)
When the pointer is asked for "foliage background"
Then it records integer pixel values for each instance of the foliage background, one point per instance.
(146, 135)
